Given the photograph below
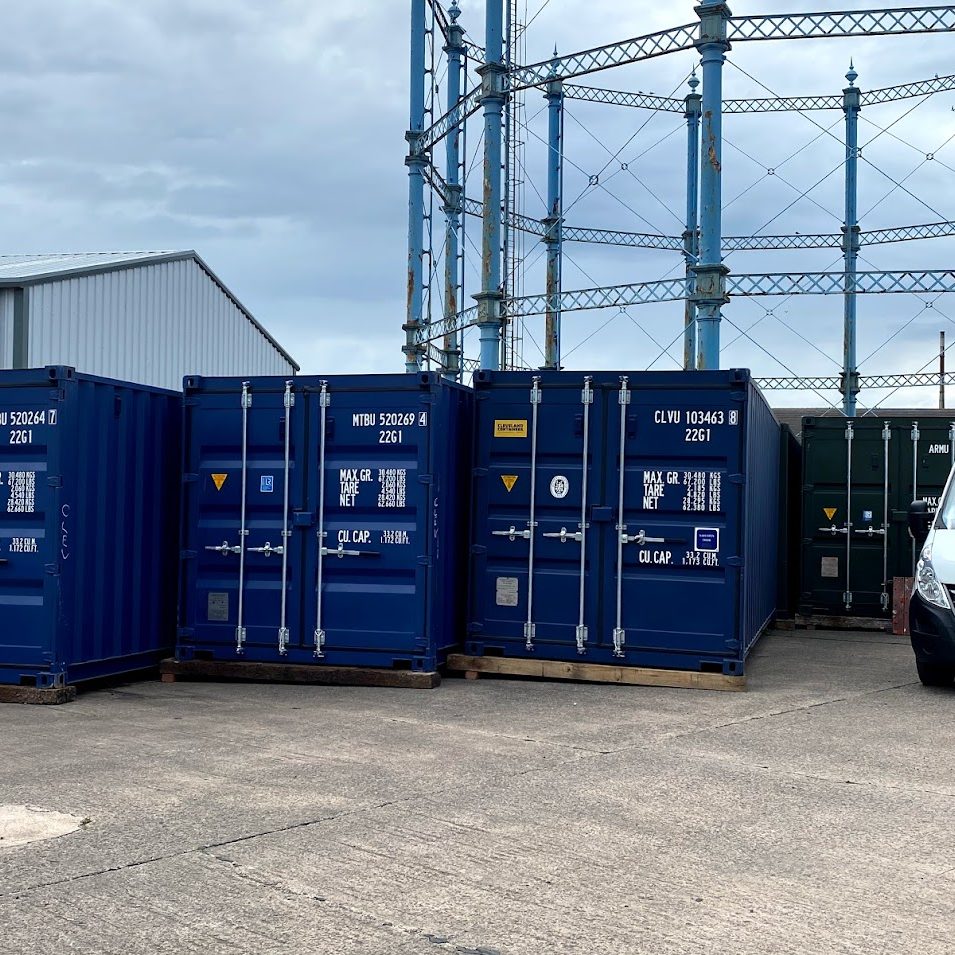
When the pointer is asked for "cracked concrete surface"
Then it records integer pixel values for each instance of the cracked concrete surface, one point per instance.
(813, 814)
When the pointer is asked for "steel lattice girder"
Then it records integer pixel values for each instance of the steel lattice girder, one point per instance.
(833, 283)
(603, 57)
(791, 26)
(834, 382)
(774, 104)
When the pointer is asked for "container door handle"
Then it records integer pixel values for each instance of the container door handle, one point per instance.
(268, 550)
(224, 549)
(871, 531)
(832, 529)
(564, 535)
(340, 551)
(639, 538)
(512, 533)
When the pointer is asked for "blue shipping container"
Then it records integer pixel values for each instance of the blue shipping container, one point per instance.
(325, 519)
(685, 579)
(89, 502)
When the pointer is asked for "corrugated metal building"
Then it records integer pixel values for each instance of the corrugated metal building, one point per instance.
(147, 317)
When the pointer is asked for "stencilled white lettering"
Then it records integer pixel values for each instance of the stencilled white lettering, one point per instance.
(22, 497)
(393, 491)
(350, 481)
(389, 536)
(23, 545)
(652, 490)
(703, 491)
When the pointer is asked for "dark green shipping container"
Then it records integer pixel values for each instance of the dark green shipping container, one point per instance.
(859, 477)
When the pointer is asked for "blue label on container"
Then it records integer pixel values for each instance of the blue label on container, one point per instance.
(267, 484)
(867, 515)
(707, 539)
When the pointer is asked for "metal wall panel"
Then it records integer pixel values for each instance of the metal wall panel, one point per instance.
(372, 544)
(6, 327)
(88, 494)
(151, 324)
(665, 557)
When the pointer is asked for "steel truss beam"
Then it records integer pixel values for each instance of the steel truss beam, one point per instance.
(775, 104)
(833, 382)
(804, 26)
(673, 290)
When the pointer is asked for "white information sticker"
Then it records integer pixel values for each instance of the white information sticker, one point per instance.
(559, 486)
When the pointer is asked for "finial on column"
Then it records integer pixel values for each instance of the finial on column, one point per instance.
(553, 64)
(454, 12)
(693, 82)
(852, 76)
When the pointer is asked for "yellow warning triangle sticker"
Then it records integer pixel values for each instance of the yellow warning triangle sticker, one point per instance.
(830, 512)
(509, 481)
(218, 480)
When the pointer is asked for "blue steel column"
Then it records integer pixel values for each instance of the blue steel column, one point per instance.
(553, 221)
(851, 104)
(710, 293)
(452, 204)
(416, 163)
(691, 237)
(492, 74)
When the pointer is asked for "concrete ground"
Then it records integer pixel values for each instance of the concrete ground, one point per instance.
(813, 814)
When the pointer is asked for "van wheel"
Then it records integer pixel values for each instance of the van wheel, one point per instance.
(931, 674)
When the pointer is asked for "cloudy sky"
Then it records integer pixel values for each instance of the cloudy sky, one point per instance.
(270, 138)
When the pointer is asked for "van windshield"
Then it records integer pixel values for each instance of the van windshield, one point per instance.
(946, 510)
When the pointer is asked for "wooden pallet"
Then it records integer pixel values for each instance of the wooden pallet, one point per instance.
(36, 696)
(835, 622)
(473, 667)
(320, 675)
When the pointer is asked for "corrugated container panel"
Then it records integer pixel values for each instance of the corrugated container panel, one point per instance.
(6, 327)
(152, 323)
(366, 565)
(856, 495)
(682, 576)
(89, 495)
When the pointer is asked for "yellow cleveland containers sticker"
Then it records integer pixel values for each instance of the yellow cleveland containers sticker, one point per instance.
(510, 428)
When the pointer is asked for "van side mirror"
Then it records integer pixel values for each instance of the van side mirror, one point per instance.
(920, 520)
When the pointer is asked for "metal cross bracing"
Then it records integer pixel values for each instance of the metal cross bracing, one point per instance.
(707, 285)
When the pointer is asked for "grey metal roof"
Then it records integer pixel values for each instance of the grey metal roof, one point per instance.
(20, 270)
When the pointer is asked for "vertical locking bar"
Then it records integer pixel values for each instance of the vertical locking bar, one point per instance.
(586, 399)
(886, 438)
(529, 627)
(619, 634)
(324, 400)
(915, 482)
(847, 596)
(243, 530)
(289, 402)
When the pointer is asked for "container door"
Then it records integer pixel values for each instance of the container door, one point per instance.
(869, 452)
(247, 490)
(671, 585)
(369, 551)
(28, 509)
(537, 562)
